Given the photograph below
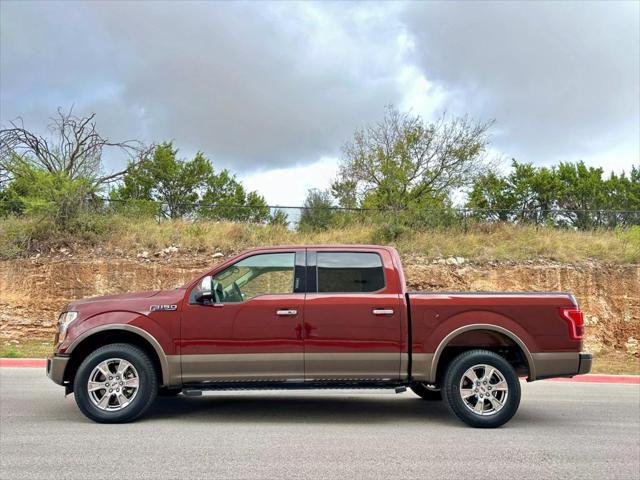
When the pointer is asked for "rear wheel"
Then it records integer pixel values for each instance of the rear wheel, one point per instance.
(427, 391)
(482, 389)
(115, 383)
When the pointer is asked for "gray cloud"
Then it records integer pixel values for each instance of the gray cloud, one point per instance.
(250, 84)
(561, 78)
(258, 85)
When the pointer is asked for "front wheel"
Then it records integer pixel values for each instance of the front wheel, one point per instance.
(115, 383)
(481, 388)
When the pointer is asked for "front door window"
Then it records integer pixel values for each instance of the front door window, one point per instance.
(266, 274)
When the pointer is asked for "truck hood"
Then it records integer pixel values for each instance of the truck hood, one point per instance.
(136, 301)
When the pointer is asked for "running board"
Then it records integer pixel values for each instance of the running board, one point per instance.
(192, 388)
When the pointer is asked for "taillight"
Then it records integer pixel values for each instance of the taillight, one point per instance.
(575, 319)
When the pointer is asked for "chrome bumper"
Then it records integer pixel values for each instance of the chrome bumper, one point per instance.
(56, 366)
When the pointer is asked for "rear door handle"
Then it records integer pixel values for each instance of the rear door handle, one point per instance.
(382, 311)
(286, 313)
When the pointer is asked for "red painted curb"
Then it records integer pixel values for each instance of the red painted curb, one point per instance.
(23, 362)
(597, 378)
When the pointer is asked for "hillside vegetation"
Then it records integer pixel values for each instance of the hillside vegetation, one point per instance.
(27, 236)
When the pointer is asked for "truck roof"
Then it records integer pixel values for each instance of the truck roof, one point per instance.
(346, 246)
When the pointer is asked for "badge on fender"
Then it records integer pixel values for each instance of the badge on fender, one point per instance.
(163, 308)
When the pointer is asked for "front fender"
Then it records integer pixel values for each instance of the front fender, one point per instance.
(132, 322)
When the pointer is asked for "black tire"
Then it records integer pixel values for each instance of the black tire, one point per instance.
(147, 389)
(427, 393)
(169, 392)
(453, 397)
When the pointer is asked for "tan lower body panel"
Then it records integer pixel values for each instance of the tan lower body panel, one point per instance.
(288, 366)
(173, 375)
(556, 364)
(352, 366)
(242, 367)
(421, 366)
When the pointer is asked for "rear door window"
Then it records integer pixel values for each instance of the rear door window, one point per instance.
(349, 272)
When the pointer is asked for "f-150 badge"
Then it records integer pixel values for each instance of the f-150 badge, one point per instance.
(163, 308)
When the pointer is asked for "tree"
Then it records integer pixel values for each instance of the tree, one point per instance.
(317, 211)
(176, 184)
(280, 218)
(179, 187)
(226, 198)
(570, 194)
(73, 149)
(53, 195)
(59, 175)
(491, 198)
(582, 194)
(404, 162)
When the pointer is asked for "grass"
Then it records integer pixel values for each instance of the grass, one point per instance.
(606, 362)
(616, 362)
(27, 348)
(482, 242)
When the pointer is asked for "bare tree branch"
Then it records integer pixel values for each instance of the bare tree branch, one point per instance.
(74, 148)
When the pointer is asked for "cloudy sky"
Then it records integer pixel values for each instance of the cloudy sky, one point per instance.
(272, 90)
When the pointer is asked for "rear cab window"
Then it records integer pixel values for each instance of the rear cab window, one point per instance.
(349, 272)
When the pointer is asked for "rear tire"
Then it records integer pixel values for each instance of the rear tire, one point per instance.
(426, 392)
(115, 384)
(482, 389)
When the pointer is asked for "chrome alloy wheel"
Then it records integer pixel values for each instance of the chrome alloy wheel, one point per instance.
(113, 384)
(484, 390)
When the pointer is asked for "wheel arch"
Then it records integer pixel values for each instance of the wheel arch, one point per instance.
(118, 333)
(450, 338)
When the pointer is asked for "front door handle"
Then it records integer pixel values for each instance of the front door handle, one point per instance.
(286, 313)
(382, 311)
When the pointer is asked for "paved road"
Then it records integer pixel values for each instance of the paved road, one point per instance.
(563, 430)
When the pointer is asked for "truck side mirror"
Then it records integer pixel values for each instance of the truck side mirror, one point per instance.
(205, 292)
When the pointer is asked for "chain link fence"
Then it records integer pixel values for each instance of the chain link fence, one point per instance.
(324, 217)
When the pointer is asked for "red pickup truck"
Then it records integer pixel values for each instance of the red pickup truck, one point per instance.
(314, 317)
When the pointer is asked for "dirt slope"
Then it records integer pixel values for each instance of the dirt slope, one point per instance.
(33, 291)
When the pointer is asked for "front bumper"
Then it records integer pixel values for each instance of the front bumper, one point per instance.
(56, 365)
(585, 363)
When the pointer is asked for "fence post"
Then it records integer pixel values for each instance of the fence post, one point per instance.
(464, 217)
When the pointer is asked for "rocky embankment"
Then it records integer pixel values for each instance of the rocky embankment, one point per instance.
(33, 290)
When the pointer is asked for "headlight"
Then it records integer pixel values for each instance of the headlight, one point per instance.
(64, 321)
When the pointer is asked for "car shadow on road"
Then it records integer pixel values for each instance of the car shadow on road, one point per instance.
(291, 408)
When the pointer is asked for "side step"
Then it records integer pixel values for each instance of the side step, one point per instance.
(196, 389)
(191, 392)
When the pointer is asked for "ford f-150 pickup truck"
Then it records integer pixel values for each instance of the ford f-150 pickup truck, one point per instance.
(314, 317)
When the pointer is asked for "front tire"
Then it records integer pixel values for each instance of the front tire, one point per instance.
(115, 384)
(481, 388)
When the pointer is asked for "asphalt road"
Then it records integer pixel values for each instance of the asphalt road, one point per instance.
(562, 430)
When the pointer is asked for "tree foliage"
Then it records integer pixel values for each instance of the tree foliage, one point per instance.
(59, 175)
(570, 194)
(178, 188)
(317, 211)
(403, 162)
